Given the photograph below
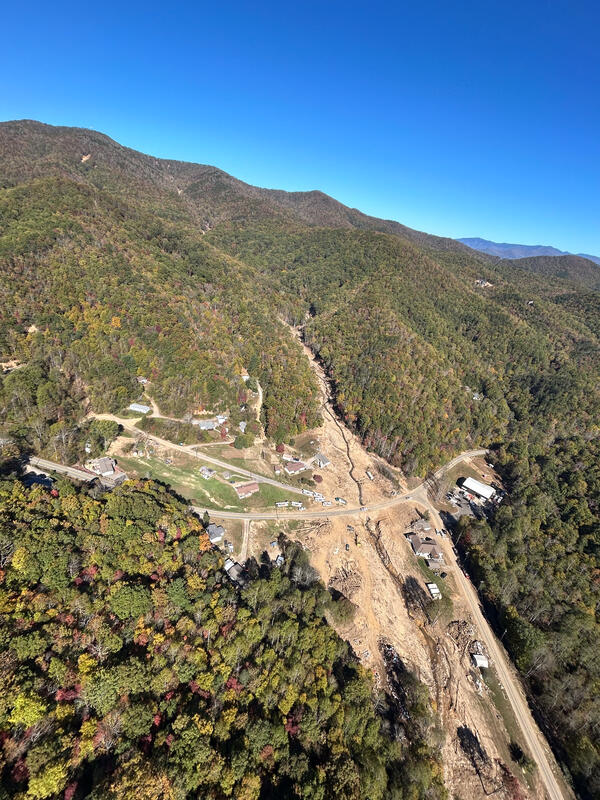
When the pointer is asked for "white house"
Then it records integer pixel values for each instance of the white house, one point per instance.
(215, 533)
(104, 466)
(321, 461)
(205, 424)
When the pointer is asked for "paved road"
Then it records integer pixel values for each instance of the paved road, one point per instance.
(128, 425)
(531, 733)
(418, 493)
(534, 739)
(62, 469)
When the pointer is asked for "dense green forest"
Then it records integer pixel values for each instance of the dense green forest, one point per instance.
(573, 269)
(423, 362)
(133, 668)
(95, 293)
(124, 265)
(538, 564)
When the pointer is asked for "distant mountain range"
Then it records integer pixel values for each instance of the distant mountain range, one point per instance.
(506, 250)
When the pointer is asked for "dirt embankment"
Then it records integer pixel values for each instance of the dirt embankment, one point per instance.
(371, 563)
(391, 607)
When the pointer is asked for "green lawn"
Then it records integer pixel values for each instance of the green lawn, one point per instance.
(268, 496)
(460, 471)
(212, 493)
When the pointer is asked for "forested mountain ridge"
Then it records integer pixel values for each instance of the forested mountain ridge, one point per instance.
(115, 264)
(444, 354)
(575, 269)
(31, 149)
(97, 290)
(518, 251)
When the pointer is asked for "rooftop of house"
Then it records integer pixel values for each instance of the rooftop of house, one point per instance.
(421, 525)
(215, 532)
(246, 489)
(101, 466)
(140, 407)
(425, 549)
(294, 466)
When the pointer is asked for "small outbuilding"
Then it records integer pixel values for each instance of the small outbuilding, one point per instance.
(479, 660)
(434, 591)
(139, 408)
(321, 461)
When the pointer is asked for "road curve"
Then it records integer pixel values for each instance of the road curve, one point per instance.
(336, 511)
(531, 733)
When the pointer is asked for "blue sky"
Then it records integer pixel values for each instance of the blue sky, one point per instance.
(458, 118)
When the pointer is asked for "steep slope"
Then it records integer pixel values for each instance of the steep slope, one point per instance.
(575, 269)
(30, 149)
(423, 358)
(95, 293)
(133, 668)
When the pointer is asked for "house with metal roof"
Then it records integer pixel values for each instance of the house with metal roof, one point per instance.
(321, 461)
(478, 488)
(140, 408)
(246, 489)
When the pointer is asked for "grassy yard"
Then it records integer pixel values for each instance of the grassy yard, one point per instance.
(233, 531)
(268, 496)
(236, 459)
(185, 480)
(445, 610)
(460, 471)
(183, 475)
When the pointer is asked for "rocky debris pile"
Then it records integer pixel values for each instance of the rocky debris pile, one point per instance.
(346, 580)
